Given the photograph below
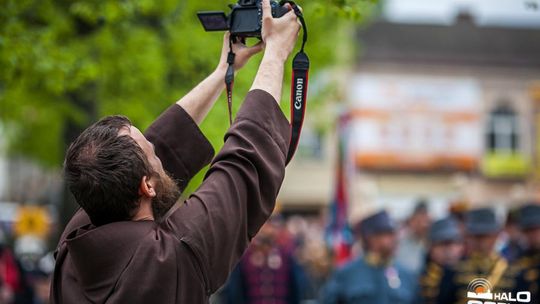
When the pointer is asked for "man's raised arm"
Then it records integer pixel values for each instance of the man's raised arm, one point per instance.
(201, 99)
(239, 191)
(179, 123)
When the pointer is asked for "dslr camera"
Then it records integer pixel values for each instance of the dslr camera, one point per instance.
(244, 20)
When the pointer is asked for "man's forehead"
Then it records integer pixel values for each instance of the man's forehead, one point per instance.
(125, 131)
(135, 133)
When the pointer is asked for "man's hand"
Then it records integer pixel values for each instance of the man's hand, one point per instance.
(243, 53)
(279, 34)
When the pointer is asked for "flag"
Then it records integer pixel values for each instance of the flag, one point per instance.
(338, 234)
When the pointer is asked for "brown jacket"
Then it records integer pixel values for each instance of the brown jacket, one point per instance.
(189, 255)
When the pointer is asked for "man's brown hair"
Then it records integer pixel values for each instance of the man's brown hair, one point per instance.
(104, 170)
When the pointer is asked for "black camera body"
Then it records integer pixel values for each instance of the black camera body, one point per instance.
(244, 20)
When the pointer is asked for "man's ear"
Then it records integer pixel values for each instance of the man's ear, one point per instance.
(146, 187)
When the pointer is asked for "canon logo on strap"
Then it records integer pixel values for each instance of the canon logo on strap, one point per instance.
(299, 93)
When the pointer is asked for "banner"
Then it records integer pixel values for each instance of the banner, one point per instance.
(416, 123)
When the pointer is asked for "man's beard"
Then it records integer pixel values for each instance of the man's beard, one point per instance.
(167, 193)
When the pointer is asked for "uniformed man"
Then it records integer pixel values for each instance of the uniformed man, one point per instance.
(514, 243)
(445, 250)
(529, 263)
(481, 260)
(374, 277)
(268, 272)
(412, 247)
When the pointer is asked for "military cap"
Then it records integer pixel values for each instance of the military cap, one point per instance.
(379, 222)
(481, 221)
(529, 216)
(443, 230)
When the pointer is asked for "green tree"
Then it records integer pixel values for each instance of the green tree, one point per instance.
(64, 63)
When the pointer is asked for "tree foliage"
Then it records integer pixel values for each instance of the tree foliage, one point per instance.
(64, 63)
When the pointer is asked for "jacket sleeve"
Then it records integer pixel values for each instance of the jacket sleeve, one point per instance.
(180, 144)
(239, 191)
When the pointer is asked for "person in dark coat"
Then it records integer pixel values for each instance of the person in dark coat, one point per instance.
(529, 262)
(515, 243)
(130, 242)
(445, 250)
(374, 277)
(480, 261)
(267, 273)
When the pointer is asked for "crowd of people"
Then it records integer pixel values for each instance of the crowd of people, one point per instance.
(420, 260)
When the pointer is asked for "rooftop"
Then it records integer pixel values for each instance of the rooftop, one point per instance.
(462, 43)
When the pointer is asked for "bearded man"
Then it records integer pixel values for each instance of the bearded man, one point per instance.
(130, 242)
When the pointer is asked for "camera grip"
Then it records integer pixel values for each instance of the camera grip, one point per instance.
(278, 10)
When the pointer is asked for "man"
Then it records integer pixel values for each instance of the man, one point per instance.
(412, 243)
(130, 243)
(445, 250)
(529, 262)
(481, 261)
(374, 277)
(514, 243)
(267, 273)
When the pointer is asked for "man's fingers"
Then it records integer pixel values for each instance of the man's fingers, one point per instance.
(267, 9)
(256, 48)
(290, 15)
(239, 41)
(252, 50)
(226, 37)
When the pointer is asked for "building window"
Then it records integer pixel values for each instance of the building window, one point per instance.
(503, 130)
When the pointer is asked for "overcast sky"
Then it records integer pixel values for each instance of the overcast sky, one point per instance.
(515, 13)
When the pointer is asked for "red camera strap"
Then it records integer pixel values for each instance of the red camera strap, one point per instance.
(299, 85)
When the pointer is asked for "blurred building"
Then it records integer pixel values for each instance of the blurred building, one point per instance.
(445, 111)
(25, 181)
(28, 196)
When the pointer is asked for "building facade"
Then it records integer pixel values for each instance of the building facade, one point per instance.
(442, 112)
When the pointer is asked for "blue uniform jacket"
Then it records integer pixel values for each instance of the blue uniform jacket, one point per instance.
(359, 282)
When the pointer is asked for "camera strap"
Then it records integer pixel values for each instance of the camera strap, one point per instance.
(229, 77)
(299, 84)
